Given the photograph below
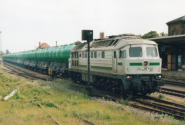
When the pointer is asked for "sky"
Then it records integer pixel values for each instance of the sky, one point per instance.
(26, 22)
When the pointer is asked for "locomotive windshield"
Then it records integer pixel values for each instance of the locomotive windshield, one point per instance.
(151, 52)
(135, 52)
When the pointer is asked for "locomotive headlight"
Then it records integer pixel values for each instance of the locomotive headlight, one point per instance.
(128, 77)
(158, 77)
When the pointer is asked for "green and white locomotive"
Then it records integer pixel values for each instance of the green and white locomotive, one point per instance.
(123, 64)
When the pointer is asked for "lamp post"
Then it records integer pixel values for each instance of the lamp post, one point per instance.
(0, 42)
(88, 36)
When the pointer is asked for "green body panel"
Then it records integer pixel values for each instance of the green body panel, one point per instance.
(136, 64)
(154, 64)
(58, 54)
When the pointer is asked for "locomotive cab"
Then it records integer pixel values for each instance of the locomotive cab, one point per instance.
(142, 66)
(143, 59)
(139, 59)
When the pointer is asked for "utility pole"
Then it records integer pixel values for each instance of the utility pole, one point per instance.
(88, 35)
(56, 43)
(0, 42)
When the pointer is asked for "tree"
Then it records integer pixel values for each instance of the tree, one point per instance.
(1, 53)
(7, 51)
(77, 42)
(151, 34)
(163, 34)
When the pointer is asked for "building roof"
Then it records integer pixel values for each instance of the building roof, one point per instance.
(177, 40)
(180, 19)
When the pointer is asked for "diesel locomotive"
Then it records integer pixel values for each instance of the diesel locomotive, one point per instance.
(123, 64)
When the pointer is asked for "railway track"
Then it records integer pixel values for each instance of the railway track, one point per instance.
(173, 92)
(147, 103)
(182, 84)
(160, 106)
(24, 72)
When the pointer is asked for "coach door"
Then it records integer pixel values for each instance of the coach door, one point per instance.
(114, 62)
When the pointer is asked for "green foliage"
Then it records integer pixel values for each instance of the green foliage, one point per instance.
(161, 96)
(7, 51)
(1, 53)
(151, 34)
(49, 104)
(124, 102)
(163, 34)
(77, 42)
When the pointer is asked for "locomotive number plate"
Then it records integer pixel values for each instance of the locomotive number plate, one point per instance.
(146, 69)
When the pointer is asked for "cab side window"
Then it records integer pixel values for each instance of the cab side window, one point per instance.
(115, 54)
(122, 54)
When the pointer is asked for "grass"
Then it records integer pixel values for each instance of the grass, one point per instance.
(161, 96)
(61, 101)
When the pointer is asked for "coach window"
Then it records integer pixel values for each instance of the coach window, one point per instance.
(85, 54)
(82, 54)
(114, 54)
(76, 54)
(91, 54)
(95, 54)
(103, 54)
(73, 55)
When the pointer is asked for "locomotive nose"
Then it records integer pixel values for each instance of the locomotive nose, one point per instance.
(145, 63)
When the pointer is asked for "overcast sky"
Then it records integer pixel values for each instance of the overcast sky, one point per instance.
(26, 22)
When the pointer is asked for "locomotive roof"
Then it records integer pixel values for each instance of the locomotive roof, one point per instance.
(113, 42)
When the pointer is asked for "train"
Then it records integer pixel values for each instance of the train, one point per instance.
(122, 64)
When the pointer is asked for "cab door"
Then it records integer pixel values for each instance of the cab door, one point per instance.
(114, 62)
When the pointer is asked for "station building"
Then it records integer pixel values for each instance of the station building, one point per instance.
(172, 47)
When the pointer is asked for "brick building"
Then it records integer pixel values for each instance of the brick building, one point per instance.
(177, 26)
(172, 47)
